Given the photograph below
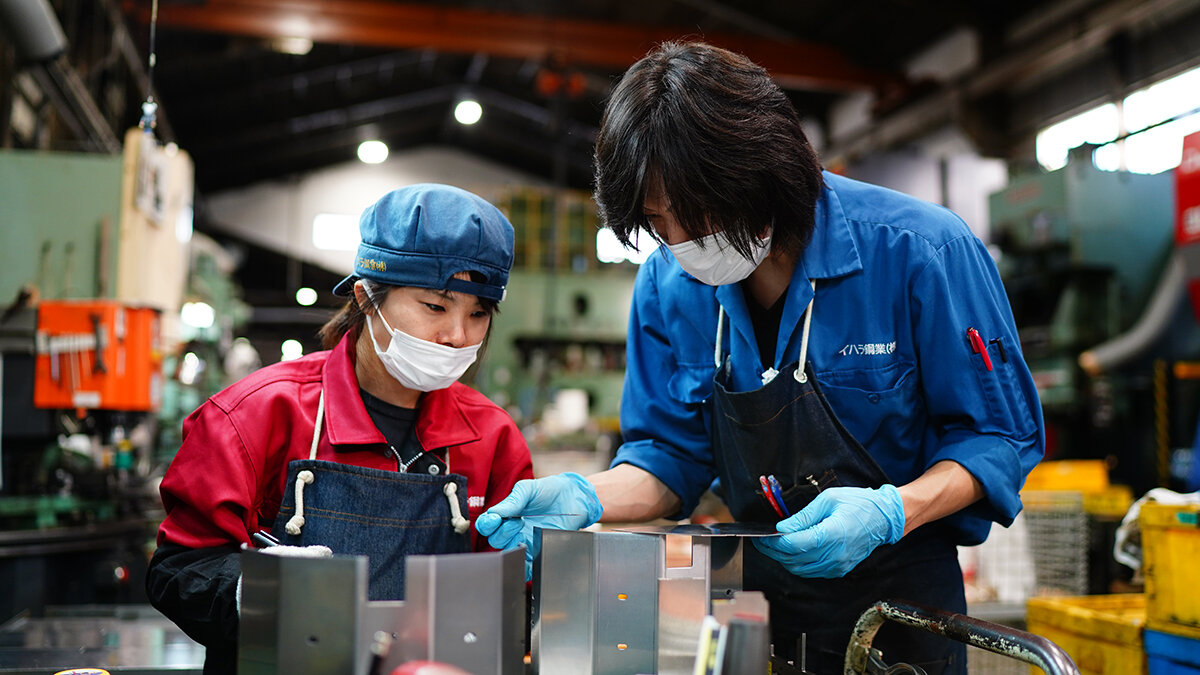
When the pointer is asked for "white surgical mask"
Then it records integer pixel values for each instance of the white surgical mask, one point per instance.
(718, 263)
(420, 364)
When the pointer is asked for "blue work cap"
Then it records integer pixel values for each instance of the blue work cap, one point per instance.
(422, 235)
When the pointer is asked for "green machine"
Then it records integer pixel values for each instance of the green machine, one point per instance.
(556, 354)
(1081, 252)
(561, 330)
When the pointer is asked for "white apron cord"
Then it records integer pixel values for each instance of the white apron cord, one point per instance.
(459, 523)
(720, 334)
(801, 375)
(305, 477)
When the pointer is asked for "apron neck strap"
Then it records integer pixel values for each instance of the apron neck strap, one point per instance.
(312, 450)
(306, 477)
(801, 372)
(720, 334)
(800, 376)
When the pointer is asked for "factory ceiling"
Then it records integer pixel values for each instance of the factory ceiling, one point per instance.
(236, 95)
(267, 90)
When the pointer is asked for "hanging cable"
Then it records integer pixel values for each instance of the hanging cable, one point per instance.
(150, 108)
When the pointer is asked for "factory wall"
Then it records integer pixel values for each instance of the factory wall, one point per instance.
(279, 215)
(943, 166)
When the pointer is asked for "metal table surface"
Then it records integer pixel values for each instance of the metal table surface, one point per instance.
(127, 639)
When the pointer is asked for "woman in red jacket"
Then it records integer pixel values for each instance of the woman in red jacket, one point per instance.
(370, 448)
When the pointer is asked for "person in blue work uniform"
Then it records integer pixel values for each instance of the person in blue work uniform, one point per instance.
(369, 448)
(851, 343)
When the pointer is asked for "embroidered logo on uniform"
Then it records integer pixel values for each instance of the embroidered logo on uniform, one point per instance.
(869, 349)
(474, 502)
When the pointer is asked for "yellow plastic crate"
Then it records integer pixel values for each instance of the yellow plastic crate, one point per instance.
(1171, 565)
(1101, 633)
(1111, 502)
(1081, 475)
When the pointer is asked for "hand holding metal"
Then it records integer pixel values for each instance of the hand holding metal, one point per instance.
(837, 531)
(551, 502)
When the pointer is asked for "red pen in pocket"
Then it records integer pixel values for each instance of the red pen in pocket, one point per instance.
(766, 490)
(979, 347)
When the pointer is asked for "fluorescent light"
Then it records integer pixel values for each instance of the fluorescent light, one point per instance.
(335, 232)
(305, 296)
(290, 350)
(372, 152)
(197, 314)
(298, 46)
(468, 111)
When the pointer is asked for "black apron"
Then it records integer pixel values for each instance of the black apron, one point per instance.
(384, 515)
(787, 429)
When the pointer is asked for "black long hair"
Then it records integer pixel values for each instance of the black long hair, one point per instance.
(723, 139)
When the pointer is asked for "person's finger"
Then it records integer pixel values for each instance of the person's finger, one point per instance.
(516, 501)
(487, 523)
(510, 534)
(810, 515)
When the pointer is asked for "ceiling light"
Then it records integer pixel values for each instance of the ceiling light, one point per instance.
(189, 368)
(372, 152)
(305, 296)
(468, 111)
(197, 314)
(290, 350)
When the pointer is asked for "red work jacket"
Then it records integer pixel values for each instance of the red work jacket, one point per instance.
(228, 478)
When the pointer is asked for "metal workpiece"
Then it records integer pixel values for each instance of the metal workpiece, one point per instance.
(606, 603)
(464, 609)
(595, 603)
(708, 529)
(1004, 640)
(301, 615)
(312, 615)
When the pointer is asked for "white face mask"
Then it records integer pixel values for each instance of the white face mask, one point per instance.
(721, 266)
(420, 364)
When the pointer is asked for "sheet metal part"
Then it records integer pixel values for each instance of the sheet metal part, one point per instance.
(595, 603)
(465, 609)
(302, 615)
(1011, 642)
(683, 604)
(606, 603)
(707, 530)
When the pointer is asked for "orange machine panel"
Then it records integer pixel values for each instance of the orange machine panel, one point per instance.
(97, 354)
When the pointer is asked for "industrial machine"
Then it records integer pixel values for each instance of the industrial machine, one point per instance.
(75, 494)
(1085, 256)
(83, 335)
(556, 353)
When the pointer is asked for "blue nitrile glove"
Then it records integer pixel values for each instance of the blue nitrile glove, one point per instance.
(511, 522)
(837, 531)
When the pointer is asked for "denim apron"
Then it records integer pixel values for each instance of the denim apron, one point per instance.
(384, 515)
(787, 429)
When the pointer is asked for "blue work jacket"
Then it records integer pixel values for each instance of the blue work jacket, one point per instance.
(899, 283)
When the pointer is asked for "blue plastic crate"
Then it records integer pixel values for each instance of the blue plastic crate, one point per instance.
(1168, 654)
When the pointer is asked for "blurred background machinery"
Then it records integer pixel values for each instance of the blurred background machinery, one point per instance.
(1089, 261)
(97, 363)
